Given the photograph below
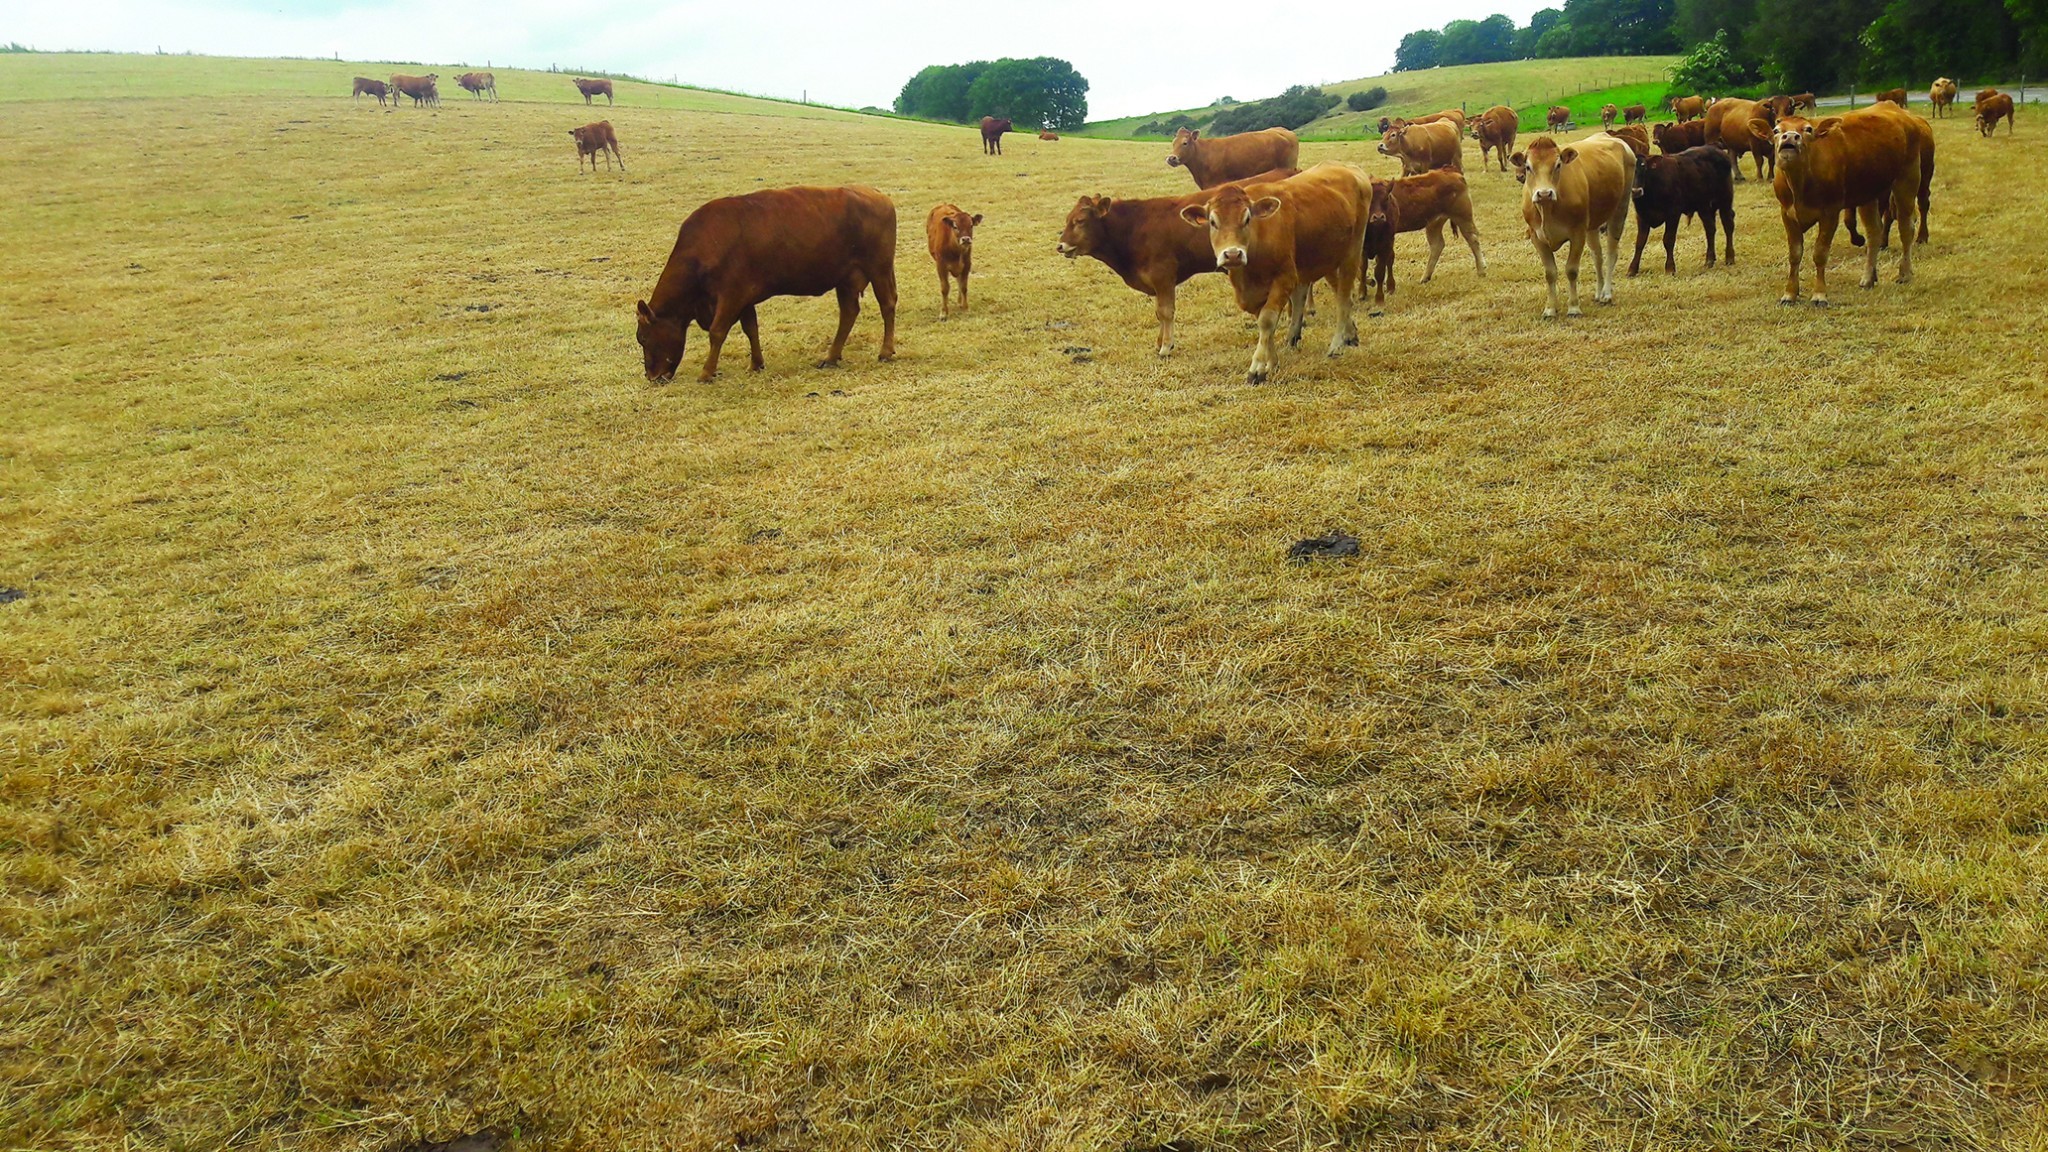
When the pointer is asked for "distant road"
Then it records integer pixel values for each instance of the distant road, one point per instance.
(2037, 93)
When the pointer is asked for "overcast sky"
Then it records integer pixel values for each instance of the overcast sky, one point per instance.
(1138, 57)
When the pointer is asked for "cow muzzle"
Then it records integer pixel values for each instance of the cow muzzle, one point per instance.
(1231, 258)
(1173, 161)
(1544, 195)
(1068, 250)
(660, 377)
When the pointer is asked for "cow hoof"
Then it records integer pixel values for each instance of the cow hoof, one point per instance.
(828, 363)
(945, 318)
(886, 358)
(1820, 302)
(1255, 377)
(1787, 301)
(1632, 272)
(1377, 312)
(1550, 313)
(1573, 312)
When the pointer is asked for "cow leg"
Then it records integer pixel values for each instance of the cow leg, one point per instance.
(1871, 223)
(965, 268)
(750, 323)
(1671, 245)
(885, 301)
(1824, 239)
(622, 159)
(1849, 218)
(1162, 307)
(849, 310)
(945, 295)
(1795, 249)
(1902, 207)
(1297, 318)
(1549, 256)
(1707, 222)
(1264, 359)
(1435, 232)
(721, 323)
(1571, 271)
(1471, 233)
(1346, 335)
(1642, 238)
(1727, 234)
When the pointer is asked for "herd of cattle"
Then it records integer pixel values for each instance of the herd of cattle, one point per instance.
(592, 140)
(1274, 229)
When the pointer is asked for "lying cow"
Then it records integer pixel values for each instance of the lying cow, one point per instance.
(368, 87)
(1989, 111)
(1696, 182)
(949, 234)
(1048, 134)
(1851, 161)
(1421, 147)
(1145, 243)
(733, 253)
(1573, 196)
(594, 140)
(1276, 239)
(1495, 130)
(591, 88)
(1226, 158)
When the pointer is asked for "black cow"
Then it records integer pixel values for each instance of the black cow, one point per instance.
(1695, 182)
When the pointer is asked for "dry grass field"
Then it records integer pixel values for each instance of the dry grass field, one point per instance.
(416, 722)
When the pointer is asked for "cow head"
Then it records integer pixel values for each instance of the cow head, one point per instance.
(1228, 216)
(1385, 124)
(961, 225)
(1183, 143)
(1382, 209)
(661, 343)
(1540, 169)
(1085, 230)
(1793, 134)
(1395, 142)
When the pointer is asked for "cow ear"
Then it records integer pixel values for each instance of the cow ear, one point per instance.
(646, 314)
(1196, 214)
(1519, 159)
(1828, 125)
(1102, 203)
(977, 217)
(1194, 133)
(1760, 128)
(1566, 156)
(1266, 206)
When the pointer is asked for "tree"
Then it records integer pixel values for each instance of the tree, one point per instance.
(1709, 68)
(1541, 22)
(1417, 50)
(1555, 43)
(1042, 91)
(1291, 109)
(1496, 39)
(940, 91)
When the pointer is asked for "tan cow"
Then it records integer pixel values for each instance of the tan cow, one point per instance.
(1688, 107)
(1635, 136)
(1421, 147)
(1941, 96)
(1227, 158)
(594, 140)
(1275, 240)
(1728, 129)
(479, 85)
(1572, 196)
(1426, 202)
(1495, 130)
(1557, 118)
(949, 233)
(1853, 161)
(1607, 114)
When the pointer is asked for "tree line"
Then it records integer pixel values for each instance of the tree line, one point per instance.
(1043, 92)
(1791, 45)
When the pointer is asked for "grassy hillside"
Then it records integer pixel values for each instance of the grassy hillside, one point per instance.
(1476, 86)
(412, 721)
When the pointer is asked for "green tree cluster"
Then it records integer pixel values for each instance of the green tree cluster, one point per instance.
(1043, 91)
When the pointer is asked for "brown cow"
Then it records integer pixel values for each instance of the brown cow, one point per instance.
(1635, 136)
(1421, 147)
(1635, 114)
(1984, 94)
(1048, 134)
(591, 88)
(1382, 224)
(594, 140)
(1806, 100)
(1728, 129)
(1688, 107)
(1695, 182)
(1557, 118)
(1572, 196)
(1895, 95)
(1495, 130)
(1455, 116)
(478, 84)
(1779, 105)
(1146, 245)
(1851, 161)
(1675, 138)
(1607, 114)
(1428, 201)
(735, 252)
(1989, 111)
(367, 86)
(949, 234)
(1216, 162)
(1941, 96)
(1276, 239)
(420, 88)
(992, 129)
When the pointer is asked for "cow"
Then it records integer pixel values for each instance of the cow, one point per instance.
(949, 234)
(478, 84)
(1675, 138)
(1607, 114)
(1146, 245)
(1991, 110)
(1453, 116)
(1421, 147)
(1376, 254)
(1048, 134)
(1780, 106)
(1696, 182)
(422, 89)
(1635, 114)
(735, 252)
(594, 140)
(992, 129)
(368, 87)
(1984, 94)
(1688, 108)
(1851, 161)
(1806, 100)
(1224, 159)
(1557, 118)
(1895, 95)
(1635, 136)
(1495, 130)
(591, 88)
(1728, 129)
(1425, 203)
(1572, 196)
(1276, 239)
(1941, 96)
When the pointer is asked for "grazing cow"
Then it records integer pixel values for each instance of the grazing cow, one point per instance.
(1635, 136)
(1557, 118)
(992, 129)
(367, 86)
(1219, 161)
(1895, 95)
(949, 233)
(1728, 129)
(478, 84)
(1853, 161)
(1675, 138)
(1146, 245)
(1575, 195)
(1989, 111)
(1421, 147)
(1941, 96)
(1688, 108)
(1276, 239)
(1382, 224)
(422, 89)
(1495, 130)
(591, 88)
(1426, 202)
(735, 252)
(1635, 114)
(1607, 114)
(1806, 100)
(594, 140)
(1048, 134)
(1695, 182)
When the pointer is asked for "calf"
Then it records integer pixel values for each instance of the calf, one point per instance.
(1675, 138)
(1382, 224)
(1276, 239)
(992, 129)
(1607, 114)
(1634, 114)
(1851, 161)
(1688, 107)
(1895, 95)
(1575, 195)
(591, 88)
(367, 86)
(1227, 158)
(1048, 134)
(733, 253)
(949, 233)
(1696, 182)
(1146, 245)
(1991, 110)
(1557, 118)
(1495, 130)
(1421, 147)
(594, 140)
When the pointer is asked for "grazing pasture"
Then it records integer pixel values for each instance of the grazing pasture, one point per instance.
(413, 721)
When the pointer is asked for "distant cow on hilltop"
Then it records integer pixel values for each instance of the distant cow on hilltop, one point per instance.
(591, 88)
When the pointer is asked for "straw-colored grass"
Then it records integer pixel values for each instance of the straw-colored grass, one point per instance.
(416, 722)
